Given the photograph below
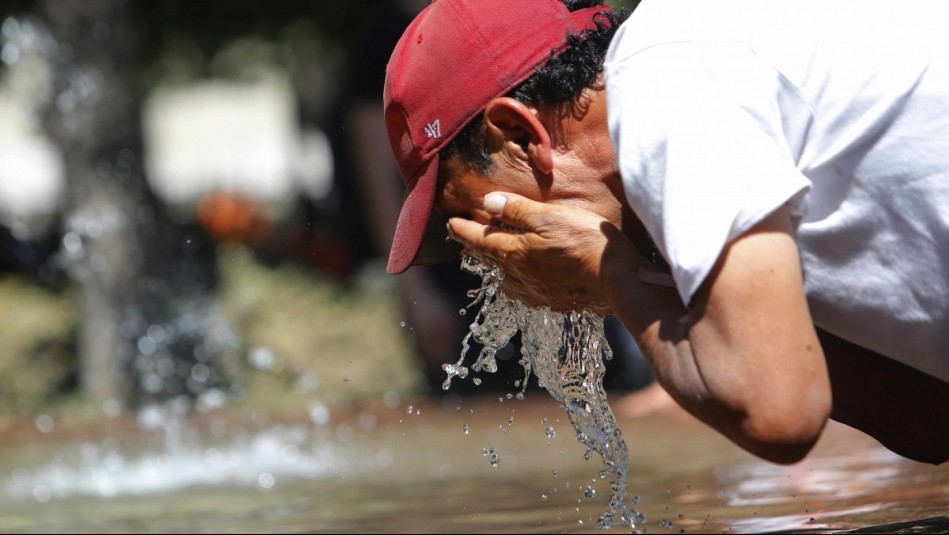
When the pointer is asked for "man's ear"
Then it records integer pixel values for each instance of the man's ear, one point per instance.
(515, 129)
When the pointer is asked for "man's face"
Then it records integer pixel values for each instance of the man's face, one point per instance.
(583, 172)
(461, 190)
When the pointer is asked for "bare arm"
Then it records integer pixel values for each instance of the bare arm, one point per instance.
(743, 357)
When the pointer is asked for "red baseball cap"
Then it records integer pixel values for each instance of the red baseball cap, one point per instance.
(452, 60)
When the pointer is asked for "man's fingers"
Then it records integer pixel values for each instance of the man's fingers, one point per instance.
(482, 240)
(514, 210)
(465, 230)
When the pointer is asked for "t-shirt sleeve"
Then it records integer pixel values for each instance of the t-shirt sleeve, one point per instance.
(697, 128)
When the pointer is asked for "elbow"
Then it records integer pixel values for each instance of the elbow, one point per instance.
(786, 432)
(781, 442)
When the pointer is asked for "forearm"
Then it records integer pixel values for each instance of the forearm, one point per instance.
(659, 322)
(712, 373)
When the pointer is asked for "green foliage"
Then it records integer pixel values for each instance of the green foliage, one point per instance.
(37, 327)
(329, 344)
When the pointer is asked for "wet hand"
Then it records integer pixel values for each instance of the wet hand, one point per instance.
(551, 254)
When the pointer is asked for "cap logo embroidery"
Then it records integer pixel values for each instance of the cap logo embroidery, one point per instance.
(433, 129)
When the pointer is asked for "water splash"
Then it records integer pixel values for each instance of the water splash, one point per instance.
(258, 460)
(566, 353)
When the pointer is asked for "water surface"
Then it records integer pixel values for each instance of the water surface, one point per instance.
(380, 469)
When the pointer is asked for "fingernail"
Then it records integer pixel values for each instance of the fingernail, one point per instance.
(494, 203)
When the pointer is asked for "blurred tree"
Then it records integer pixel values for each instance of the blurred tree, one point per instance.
(147, 332)
(138, 272)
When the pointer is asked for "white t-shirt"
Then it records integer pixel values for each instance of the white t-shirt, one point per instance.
(721, 112)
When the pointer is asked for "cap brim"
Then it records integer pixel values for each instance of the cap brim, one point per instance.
(420, 235)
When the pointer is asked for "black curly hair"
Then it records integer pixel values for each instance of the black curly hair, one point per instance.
(559, 81)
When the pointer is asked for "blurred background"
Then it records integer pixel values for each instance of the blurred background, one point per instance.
(180, 213)
(196, 203)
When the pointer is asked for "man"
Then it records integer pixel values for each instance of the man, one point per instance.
(790, 161)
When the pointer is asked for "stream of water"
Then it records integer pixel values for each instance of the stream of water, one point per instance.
(566, 352)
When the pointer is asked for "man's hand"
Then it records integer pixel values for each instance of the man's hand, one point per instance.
(551, 255)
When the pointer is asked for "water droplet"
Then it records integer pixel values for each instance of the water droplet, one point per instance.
(392, 399)
(464, 429)
(156, 333)
(510, 420)
(587, 455)
(665, 523)
(319, 414)
(44, 423)
(554, 473)
(635, 500)
(42, 493)
(72, 243)
(260, 357)
(589, 492)
(266, 481)
(551, 433)
(409, 409)
(401, 324)
(462, 311)
(509, 395)
(543, 497)
(519, 395)
(493, 458)
(604, 474)
(10, 54)
(476, 381)
(605, 521)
